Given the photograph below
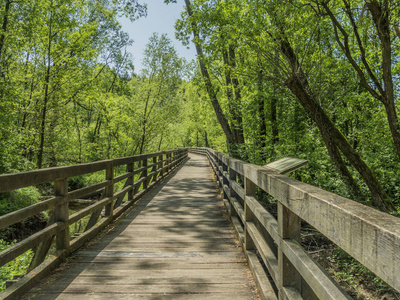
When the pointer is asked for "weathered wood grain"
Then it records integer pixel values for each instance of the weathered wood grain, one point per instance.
(370, 236)
(175, 243)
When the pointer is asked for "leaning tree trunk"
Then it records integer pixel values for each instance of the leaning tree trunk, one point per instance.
(207, 80)
(300, 87)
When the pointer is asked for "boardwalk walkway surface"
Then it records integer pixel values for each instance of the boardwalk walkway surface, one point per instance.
(177, 243)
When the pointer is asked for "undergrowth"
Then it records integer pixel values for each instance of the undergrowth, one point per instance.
(16, 267)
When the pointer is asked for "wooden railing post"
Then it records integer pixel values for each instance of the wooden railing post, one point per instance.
(225, 179)
(145, 173)
(289, 225)
(161, 164)
(130, 168)
(219, 172)
(249, 191)
(168, 155)
(174, 157)
(232, 178)
(109, 188)
(154, 169)
(61, 214)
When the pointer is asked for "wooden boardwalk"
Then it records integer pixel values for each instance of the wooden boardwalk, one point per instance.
(177, 243)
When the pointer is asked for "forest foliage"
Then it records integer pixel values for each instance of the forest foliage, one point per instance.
(312, 79)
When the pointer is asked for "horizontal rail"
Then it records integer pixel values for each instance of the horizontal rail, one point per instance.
(102, 212)
(370, 236)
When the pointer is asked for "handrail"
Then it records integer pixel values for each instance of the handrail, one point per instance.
(370, 236)
(111, 205)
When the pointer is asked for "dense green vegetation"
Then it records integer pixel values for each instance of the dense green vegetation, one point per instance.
(266, 85)
(313, 79)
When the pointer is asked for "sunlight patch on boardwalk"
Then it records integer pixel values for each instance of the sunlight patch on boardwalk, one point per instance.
(177, 243)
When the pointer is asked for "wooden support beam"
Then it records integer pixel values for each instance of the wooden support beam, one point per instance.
(250, 191)
(288, 228)
(109, 188)
(130, 169)
(145, 173)
(61, 214)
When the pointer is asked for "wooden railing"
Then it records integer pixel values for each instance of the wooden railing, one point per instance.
(151, 168)
(272, 245)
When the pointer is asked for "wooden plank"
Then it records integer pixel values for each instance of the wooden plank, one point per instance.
(286, 164)
(132, 295)
(30, 242)
(289, 293)
(318, 279)
(176, 288)
(87, 210)
(23, 285)
(29, 211)
(264, 217)
(209, 275)
(109, 192)
(238, 189)
(61, 214)
(119, 196)
(265, 251)
(289, 227)
(178, 245)
(370, 236)
(122, 177)
(155, 264)
(238, 208)
(263, 283)
(41, 251)
(79, 193)
(9, 182)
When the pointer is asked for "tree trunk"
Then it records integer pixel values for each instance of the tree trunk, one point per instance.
(238, 126)
(274, 121)
(382, 91)
(261, 114)
(3, 34)
(299, 86)
(161, 138)
(45, 101)
(381, 14)
(207, 80)
(341, 167)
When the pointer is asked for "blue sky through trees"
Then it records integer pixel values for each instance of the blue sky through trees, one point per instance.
(160, 18)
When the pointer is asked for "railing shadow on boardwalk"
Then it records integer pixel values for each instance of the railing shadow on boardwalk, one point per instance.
(104, 239)
(142, 173)
(188, 204)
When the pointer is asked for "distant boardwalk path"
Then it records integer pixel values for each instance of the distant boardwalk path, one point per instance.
(176, 243)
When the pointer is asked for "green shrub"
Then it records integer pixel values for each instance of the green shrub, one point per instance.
(18, 199)
(18, 266)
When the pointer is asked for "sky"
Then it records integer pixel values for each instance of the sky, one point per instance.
(161, 19)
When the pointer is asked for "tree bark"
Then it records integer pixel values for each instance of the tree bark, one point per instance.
(238, 126)
(274, 121)
(261, 112)
(207, 80)
(206, 139)
(45, 99)
(4, 27)
(299, 86)
(380, 15)
(382, 91)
